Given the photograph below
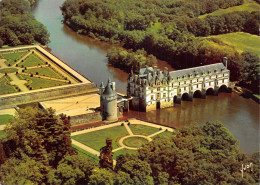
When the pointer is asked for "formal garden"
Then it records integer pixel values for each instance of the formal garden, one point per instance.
(126, 137)
(33, 69)
(4, 119)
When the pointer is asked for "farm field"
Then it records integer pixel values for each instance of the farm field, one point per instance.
(241, 41)
(249, 5)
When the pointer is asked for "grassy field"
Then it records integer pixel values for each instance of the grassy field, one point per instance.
(97, 139)
(241, 41)
(249, 5)
(142, 129)
(45, 71)
(4, 119)
(122, 152)
(2, 133)
(38, 83)
(86, 154)
(11, 57)
(5, 88)
(8, 70)
(164, 134)
(32, 60)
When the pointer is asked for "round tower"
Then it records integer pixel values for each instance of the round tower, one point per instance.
(109, 102)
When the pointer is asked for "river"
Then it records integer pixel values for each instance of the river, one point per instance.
(88, 56)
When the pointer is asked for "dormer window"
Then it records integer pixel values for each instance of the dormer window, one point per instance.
(215, 71)
(209, 72)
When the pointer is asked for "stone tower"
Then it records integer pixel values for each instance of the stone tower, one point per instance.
(108, 102)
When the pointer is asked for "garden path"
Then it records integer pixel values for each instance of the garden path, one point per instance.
(26, 55)
(16, 81)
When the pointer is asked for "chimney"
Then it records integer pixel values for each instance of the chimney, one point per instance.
(165, 71)
(113, 86)
(225, 61)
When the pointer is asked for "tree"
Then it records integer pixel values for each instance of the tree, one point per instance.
(72, 170)
(37, 136)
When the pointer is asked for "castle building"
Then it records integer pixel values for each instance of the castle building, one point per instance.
(152, 89)
(108, 101)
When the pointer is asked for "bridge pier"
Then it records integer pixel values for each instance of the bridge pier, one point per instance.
(190, 98)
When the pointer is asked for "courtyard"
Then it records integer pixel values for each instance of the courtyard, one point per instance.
(127, 137)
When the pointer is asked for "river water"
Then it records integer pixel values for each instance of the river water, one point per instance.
(88, 56)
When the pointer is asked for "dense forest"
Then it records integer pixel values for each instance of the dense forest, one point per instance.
(18, 25)
(37, 150)
(169, 30)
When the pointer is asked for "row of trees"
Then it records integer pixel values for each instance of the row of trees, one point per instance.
(128, 61)
(18, 25)
(37, 150)
(168, 30)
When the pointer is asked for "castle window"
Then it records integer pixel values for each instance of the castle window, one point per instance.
(158, 95)
(158, 83)
(151, 97)
(190, 81)
(164, 88)
(209, 83)
(197, 86)
(184, 82)
(164, 95)
(152, 91)
(179, 83)
(158, 89)
(223, 81)
(184, 88)
(223, 75)
(216, 76)
(197, 80)
(179, 90)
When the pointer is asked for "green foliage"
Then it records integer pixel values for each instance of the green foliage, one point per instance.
(251, 72)
(121, 58)
(18, 25)
(247, 6)
(72, 170)
(196, 155)
(5, 118)
(101, 176)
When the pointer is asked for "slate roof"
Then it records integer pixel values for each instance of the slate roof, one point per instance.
(108, 90)
(199, 70)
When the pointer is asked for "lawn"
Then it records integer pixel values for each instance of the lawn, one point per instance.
(38, 83)
(30, 61)
(135, 142)
(143, 129)
(4, 119)
(5, 88)
(97, 139)
(164, 134)
(247, 6)
(123, 152)
(8, 70)
(45, 71)
(11, 57)
(241, 41)
(2, 133)
(86, 154)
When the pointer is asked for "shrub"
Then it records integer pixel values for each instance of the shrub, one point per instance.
(31, 75)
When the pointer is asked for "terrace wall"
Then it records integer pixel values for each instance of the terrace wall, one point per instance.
(12, 100)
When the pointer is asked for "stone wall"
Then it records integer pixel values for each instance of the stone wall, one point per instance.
(12, 100)
(86, 118)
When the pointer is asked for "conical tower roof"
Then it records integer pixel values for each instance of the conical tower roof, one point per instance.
(108, 89)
